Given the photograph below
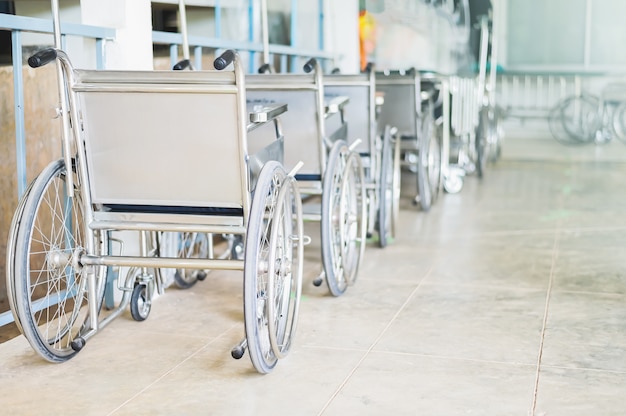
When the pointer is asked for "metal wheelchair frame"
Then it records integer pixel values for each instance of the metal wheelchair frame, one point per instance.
(116, 127)
(332, 171)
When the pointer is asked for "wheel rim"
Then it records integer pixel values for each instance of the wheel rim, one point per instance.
(53, 289)
(352, 216)
(258, 267)
(284, 280)
(434, 165)
(335, 223)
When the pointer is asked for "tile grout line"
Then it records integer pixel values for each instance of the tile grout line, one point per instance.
(190, 356)
(378, 338)
(545, 321)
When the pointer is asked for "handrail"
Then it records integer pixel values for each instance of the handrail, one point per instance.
(34, 24)
(176, 39)
(17, 25)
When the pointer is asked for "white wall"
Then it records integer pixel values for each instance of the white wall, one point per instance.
(571, 35)
(132, 19)
(341, 36)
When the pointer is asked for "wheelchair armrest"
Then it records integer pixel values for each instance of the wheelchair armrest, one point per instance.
(379, 98)
(335, 104)
(266, 112)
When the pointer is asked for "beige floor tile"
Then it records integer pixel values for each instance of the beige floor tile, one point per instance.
(470, 322)
(576, 392)
(586, 331)
(386, 384)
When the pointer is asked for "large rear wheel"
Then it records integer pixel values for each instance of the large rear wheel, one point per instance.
(272, 267)
(51, 286)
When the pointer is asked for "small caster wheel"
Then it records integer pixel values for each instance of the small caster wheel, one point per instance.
(453, 184)
(139, 304)
(78, 344)
(237, 352)
(236, 252)
(201, 275)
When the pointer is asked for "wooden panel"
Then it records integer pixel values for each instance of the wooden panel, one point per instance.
(42, 142)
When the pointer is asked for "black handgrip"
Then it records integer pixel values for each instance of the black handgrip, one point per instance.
(368, 68)
(224, 60)
(336, 71)
(42, 58)
(265, 68)
(310, 65)
(184, 64)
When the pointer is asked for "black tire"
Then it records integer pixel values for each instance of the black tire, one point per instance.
(579, 120)
(272, 267)
(424, 160)
(385, 204)
(343, 218)
(140, 302)
(480, 141)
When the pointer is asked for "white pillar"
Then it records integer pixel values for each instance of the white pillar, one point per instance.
(341, 34)
(132, 19)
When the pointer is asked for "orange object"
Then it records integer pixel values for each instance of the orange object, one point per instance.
(367, 36)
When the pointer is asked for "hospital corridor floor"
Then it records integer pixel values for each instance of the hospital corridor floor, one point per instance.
(508, 298)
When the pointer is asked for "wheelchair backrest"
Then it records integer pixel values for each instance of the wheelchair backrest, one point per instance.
(168, 138)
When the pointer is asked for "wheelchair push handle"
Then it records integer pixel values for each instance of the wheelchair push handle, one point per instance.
(181, 65)
(265, 68)
(310, 65)
(224, 60)
(42, 58)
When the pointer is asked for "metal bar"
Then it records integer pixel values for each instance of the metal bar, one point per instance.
(6, 318)
(587, 47)
(320, 40)
(162, 262)
(251, 3)
(183, 27)
(100, 56)
(169, 38)
(173, 54)
(445, 145)
(265, 32)
(197, 57)
(294, 32)
(56, 24)
(20, 131)
(218, 19)
(140, 226)
(33, 24)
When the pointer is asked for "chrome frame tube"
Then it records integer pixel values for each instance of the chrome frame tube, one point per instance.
(161, 262)
(183, 27)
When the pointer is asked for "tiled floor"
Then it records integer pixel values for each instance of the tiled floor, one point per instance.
(506, 299)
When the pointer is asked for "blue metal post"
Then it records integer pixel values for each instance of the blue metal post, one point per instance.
(173, 55)
(20, 131)
(100, 54)
(294, 33)
(320, 45)
(218, 19)
(321, 27)
(197, 56)
(218, 23)
(251, 33)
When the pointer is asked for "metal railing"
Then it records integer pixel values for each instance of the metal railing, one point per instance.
(17, 25)
(288, 55)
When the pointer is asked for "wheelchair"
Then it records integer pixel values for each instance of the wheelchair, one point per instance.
(332, 180)
(379, 149)
(117, 127)
(409, 107)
